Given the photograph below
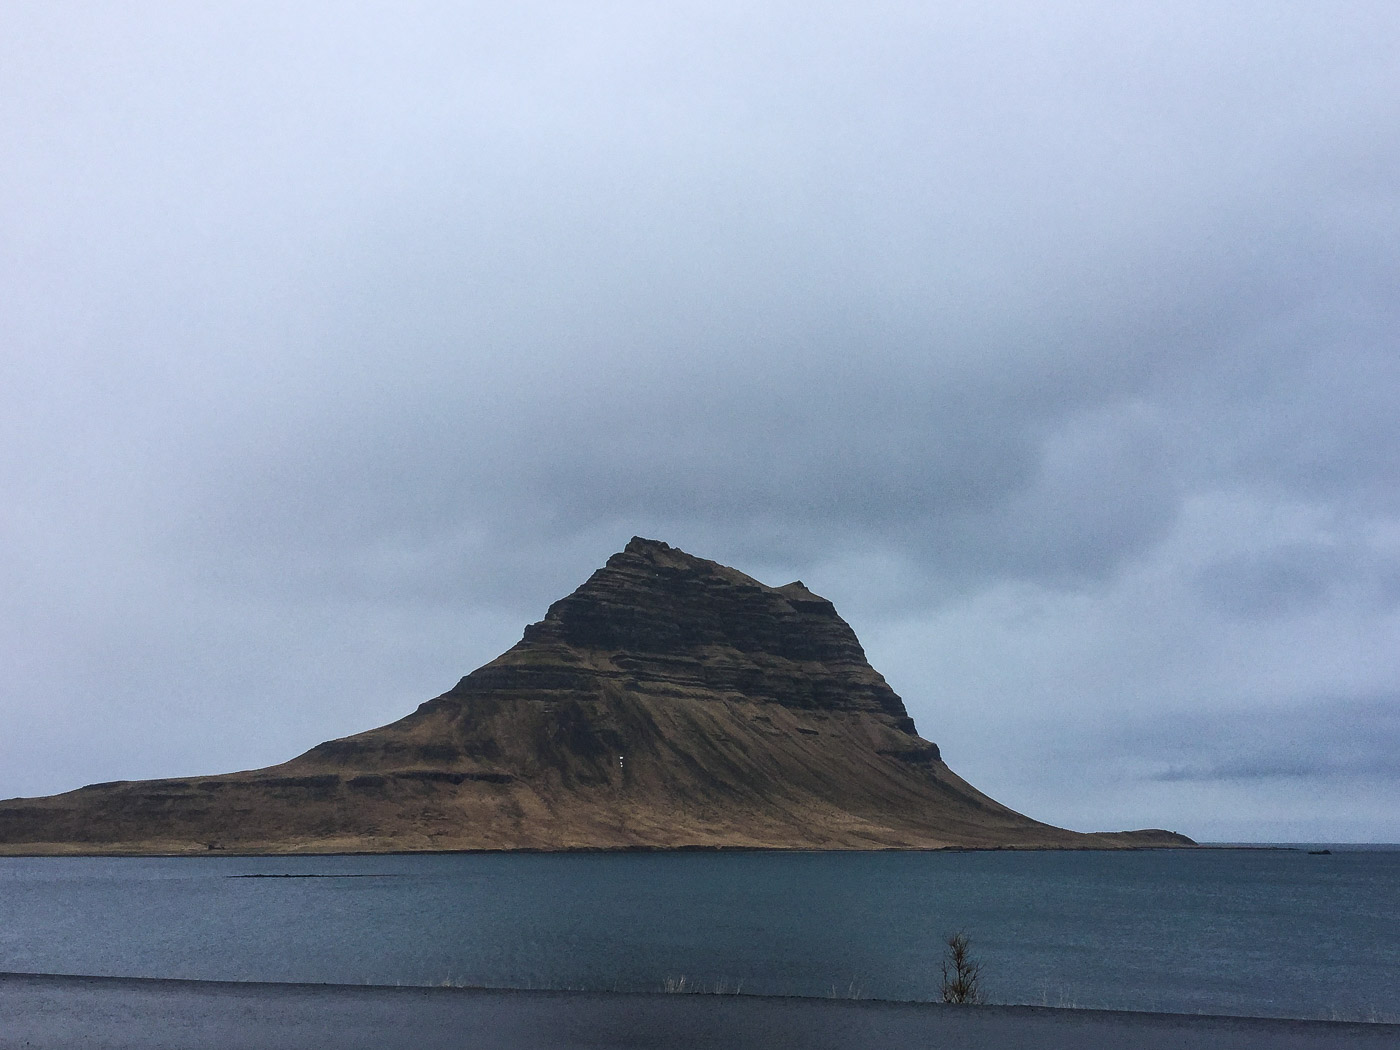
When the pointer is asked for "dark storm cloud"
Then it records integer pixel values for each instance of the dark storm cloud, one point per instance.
(368, 333)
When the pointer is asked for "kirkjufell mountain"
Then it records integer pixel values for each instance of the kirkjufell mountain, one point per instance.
(670, 702)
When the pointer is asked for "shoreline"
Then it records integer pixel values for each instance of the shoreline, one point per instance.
(1348, 847)
(698, 993)
(43, 1010)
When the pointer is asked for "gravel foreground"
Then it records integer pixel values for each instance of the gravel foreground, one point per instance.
(42, 1011)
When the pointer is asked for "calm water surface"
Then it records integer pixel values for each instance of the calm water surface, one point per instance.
(1279, 933)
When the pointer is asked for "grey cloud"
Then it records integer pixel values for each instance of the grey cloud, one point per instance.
(608, 386)
(1306, 398)
(1279, 580)
(1319, 739)
(1271, 767)
(1271, 582)
(347, 320)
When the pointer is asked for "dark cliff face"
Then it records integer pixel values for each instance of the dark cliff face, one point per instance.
(655, 619)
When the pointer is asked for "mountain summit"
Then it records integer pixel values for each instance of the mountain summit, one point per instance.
(669, 702)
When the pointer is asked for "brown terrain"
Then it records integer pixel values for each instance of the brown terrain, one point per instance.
(668, 703)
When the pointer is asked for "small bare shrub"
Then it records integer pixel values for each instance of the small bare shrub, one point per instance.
(961, 974)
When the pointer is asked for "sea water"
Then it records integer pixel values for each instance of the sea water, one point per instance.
(1250, 932)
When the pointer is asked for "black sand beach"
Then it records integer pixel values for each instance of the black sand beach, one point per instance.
(42, 1012)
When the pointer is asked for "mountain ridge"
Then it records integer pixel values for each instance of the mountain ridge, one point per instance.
(668, 702)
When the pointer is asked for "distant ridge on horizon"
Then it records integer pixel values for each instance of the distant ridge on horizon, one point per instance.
(668, 703)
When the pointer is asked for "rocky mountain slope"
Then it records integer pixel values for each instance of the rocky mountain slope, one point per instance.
(669, 702)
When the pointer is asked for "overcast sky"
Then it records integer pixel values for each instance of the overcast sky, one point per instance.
(1058, 345)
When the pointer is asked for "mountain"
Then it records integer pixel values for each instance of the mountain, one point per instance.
(669, 702)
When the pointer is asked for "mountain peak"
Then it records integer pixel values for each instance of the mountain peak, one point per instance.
(642, 545)
(671, 620)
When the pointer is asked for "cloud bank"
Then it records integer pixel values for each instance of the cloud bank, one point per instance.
(1057, 349)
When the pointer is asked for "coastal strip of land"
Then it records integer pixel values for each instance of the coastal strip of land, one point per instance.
(106, 1013)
